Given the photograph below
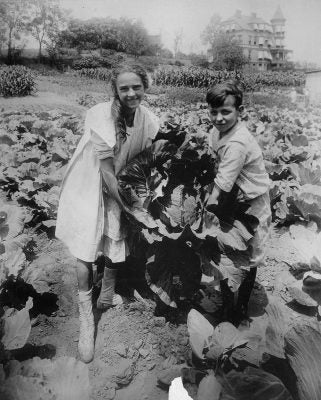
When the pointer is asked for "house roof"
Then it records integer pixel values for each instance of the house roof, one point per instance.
(245, 21)
(278, 15)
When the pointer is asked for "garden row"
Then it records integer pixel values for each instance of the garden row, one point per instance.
(195, 77)
(200, 77)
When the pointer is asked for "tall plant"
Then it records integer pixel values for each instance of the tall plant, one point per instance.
(13, 19)
(46, 18)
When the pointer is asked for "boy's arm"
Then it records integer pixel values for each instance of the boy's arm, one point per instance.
(230, 167)
(213, 198)
(229, 170)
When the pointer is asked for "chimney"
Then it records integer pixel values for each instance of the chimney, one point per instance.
(253, 15)
(238, 13)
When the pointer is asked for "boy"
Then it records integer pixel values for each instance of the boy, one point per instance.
(240, 166)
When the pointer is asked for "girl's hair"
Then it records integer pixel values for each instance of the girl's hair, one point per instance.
(116, 108)
(217, 94)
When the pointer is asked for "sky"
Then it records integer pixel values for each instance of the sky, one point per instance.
(190, 17)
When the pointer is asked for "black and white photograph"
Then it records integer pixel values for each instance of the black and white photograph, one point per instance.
(160, 200)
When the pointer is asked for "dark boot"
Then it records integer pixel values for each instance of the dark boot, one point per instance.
(227, 311)
(244, 293)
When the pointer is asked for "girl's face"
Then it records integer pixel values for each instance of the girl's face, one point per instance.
(130, 90)
(225, 116)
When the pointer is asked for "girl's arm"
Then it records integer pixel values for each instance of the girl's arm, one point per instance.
(110, 181)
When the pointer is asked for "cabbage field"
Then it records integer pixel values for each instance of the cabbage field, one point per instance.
(276, 356)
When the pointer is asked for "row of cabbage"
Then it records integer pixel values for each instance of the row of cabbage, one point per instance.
(34, 150)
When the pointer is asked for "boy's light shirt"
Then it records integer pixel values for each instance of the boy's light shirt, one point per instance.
(240, 161)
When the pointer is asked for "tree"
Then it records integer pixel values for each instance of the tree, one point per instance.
(79, 34)
(166, 53)
(46, 19)
(177, 42)
(133, 37)
(212, 30)
(199, 60)
(125, 35)
(224, 49)
(226, 53)
(13, 20)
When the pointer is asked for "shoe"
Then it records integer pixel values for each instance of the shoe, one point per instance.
(86, 346)
(116, 301)
(108, 298)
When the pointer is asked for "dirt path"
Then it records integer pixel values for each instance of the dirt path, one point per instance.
(41, 101)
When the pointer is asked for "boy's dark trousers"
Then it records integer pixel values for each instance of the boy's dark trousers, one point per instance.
(237, 312)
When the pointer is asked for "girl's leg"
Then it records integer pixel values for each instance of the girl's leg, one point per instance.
(84, 275)
(86, 317)
(107, 297)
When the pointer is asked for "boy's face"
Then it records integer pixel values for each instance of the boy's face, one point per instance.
(225, 116)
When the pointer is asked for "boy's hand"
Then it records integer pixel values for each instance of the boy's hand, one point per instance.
(212, 200)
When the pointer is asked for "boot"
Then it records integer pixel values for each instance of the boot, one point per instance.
(87, 327)
(108, 298)
(244, 293)
(227, 310)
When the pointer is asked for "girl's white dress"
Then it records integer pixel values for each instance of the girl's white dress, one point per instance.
(87, 220)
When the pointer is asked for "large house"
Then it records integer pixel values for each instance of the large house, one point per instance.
(262, 41)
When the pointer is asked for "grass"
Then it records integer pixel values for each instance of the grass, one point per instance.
(71, 85)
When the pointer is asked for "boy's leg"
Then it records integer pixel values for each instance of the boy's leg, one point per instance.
(228, 301)
(245, 290)
(86, 317)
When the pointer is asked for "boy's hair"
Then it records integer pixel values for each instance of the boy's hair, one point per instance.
(217, 94)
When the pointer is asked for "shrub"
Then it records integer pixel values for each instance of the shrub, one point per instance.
(16, 80)
(89, 100)
(86, 62)
(185, 95)
(150, 63)
(89, 62)
(102, 74)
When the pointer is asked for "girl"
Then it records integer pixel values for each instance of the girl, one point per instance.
(89, 212)
(240, 167)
